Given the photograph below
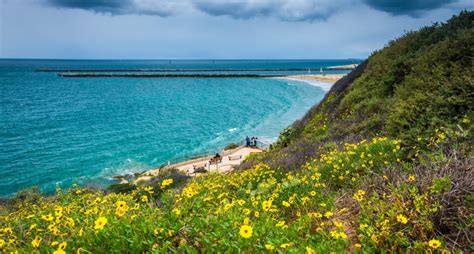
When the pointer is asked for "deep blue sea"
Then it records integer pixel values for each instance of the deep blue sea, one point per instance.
(59, 131)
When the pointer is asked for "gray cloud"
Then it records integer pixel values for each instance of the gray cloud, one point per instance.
(287, 10)
(161, 8)
(290, 10)
(414, 8)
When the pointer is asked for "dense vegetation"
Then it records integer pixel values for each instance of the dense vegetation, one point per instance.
(382, 164)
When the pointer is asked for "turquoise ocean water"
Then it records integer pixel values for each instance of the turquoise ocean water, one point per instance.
(56, 130)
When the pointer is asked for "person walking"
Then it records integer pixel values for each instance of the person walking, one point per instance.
(247, 141)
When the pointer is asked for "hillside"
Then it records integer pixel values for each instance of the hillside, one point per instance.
(382, 164)
(412, 88)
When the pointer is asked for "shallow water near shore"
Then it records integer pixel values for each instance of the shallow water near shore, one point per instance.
(56, 130)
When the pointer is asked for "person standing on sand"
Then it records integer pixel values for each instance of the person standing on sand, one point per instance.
(247, 141)
(255, 142)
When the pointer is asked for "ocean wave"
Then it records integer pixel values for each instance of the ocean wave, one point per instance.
(326, 86)
(127, 167)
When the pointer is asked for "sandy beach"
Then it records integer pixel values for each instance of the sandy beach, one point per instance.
(230, 159)
(330, 78)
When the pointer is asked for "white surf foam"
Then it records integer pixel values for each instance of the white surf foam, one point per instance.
(326, 86)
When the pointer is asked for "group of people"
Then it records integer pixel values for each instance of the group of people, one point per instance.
(251, 142)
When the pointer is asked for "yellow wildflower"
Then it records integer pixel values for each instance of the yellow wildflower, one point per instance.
(246, 231)
(166, 183)
(100, 223)
(402, 219)
(59, 251)
(120, 212)
(157, 231)
(62, 245)
(434, 243)
(359, 195)
(144, 198)
(338, 224)
(246, 221)
(466, 119)
(58, 211)
(36, 242)
(342, 235)
(328, 214)
(280, 223)
(48, 217)
(149, 189)
(411, 178)
(285, 246)
(286, 204)
(309, 250)
(121, 204)
(269, 247)
(266, 205)
(177, 211)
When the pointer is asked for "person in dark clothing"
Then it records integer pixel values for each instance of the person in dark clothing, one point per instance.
(247, 141)
(255, 142)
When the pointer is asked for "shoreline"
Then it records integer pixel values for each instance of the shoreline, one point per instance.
(323, 81)
(328, 78)
(230, 158)
(233, 157)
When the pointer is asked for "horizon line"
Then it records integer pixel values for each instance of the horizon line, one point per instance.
(179, 59)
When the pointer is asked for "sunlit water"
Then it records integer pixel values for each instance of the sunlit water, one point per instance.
(56, 130)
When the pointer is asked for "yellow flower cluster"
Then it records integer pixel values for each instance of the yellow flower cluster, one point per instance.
(257, 210)
(166, 183)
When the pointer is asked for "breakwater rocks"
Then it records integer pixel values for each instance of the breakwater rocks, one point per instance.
(342, 67)
(134, 75)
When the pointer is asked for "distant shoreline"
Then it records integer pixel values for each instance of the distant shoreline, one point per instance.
(202, 73)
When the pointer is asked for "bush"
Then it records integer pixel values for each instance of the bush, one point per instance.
(230, 146)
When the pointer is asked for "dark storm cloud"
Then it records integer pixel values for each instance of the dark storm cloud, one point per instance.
(287, 10)
(106, 6)
(407, 7)
(117, 7)
(293, 10)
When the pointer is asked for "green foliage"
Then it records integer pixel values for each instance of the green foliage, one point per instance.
(440, 185)
(285, 138)
(416, 88)
(317, 127)
(121, 188)
(230, 146)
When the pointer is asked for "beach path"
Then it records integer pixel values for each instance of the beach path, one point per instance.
(230, 159)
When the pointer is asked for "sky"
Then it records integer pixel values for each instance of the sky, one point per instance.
(211, 29)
